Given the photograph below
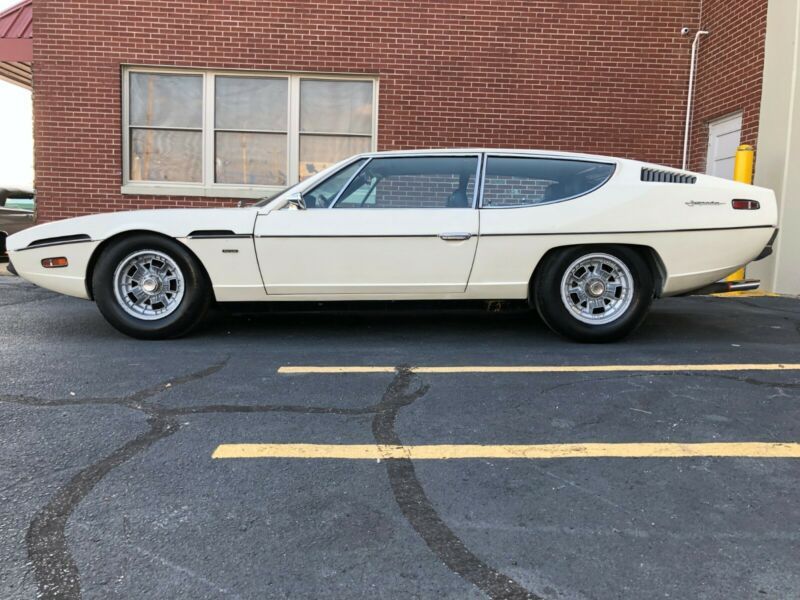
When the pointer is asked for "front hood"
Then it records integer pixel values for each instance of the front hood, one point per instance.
(175, 223)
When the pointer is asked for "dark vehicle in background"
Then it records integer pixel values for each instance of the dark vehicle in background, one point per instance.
(17, 212)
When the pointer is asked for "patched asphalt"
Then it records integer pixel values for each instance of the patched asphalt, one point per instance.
(108, 488)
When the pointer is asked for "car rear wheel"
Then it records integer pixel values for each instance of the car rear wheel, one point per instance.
(150, 287)
(594, 294)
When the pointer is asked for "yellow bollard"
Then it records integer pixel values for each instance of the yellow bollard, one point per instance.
(743, 165)
(743, 173)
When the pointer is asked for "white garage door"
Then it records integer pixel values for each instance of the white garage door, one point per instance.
(724, 137)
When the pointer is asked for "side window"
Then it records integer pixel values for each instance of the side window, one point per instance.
(323, 194)
(513, 181)
(413, 182)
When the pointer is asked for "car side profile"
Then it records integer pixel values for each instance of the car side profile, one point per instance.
(589, 241)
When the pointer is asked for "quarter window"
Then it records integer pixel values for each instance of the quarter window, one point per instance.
(424, 182)
(218, 131)
(514, 181)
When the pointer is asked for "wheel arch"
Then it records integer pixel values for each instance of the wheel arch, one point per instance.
(648, 253)
(124, 235)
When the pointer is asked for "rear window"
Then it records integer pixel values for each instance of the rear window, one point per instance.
(518, 181)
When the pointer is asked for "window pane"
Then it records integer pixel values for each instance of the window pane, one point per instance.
(336, 106)
(166, 100)
(251, 158)
(163, 155)
(528, 181)
(252, 103)
(426, 182)
(318, 152)
(322, 195)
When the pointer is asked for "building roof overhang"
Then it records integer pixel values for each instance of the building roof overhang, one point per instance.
(16, 44)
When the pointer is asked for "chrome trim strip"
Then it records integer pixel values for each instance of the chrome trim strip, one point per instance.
(523, 234)
(478, 180)
(625, 232)
(51, 244)
(400, 235)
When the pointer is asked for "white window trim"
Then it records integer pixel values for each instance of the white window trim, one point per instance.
(225, 190)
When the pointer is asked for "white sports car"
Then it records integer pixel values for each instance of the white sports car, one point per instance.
(589, 241)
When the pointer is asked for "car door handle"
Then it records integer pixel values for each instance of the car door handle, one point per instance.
(455, 236)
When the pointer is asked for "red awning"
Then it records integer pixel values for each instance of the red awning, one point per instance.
(16, 44)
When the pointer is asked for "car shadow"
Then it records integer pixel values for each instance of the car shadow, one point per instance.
(669, 321)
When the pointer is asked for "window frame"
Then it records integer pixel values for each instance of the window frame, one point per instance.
(208, 187)
(489, 155)
(478, 172)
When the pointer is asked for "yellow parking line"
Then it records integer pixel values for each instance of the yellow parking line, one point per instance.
(546, 368)
(535, 451)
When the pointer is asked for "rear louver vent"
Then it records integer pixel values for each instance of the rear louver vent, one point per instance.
(666, 176)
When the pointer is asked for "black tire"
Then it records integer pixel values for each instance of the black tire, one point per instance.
(191, 308)
(546, 295)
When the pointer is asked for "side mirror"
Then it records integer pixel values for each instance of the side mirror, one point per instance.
(296, 200)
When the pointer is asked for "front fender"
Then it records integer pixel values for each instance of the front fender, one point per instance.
(174, 223)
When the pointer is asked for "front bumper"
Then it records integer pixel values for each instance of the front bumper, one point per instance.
(11, 269)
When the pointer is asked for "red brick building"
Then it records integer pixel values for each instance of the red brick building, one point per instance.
(149, 103)
(593, 76)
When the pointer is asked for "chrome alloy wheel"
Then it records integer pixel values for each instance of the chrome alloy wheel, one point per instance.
(597, 289)
(149, 285)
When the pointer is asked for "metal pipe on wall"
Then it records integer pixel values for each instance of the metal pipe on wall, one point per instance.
(690, 95)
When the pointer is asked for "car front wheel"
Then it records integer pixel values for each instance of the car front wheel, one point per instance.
(150, 287)
(594, 294)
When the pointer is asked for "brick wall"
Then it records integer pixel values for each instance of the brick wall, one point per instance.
(729, 71)
(592, 76)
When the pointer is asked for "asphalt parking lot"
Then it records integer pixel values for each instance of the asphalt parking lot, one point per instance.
(236, 464)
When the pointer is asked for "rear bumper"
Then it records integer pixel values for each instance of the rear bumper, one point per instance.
(768, 248)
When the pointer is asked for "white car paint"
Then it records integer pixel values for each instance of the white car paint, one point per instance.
(366, 254)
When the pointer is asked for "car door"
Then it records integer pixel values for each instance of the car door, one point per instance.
(384, 226)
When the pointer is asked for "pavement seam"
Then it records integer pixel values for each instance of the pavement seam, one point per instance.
(419, 510)
(57, 576)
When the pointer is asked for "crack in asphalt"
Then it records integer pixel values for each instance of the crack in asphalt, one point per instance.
(419, 510)
(57, 575)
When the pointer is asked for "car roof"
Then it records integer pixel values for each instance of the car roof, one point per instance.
(525, 151)
(9, 192)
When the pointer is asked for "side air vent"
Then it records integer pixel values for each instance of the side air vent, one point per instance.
(659, 176)
(217, 233)
(64, 239)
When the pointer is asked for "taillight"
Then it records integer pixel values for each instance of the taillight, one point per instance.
(745, 204)
(55, 263)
